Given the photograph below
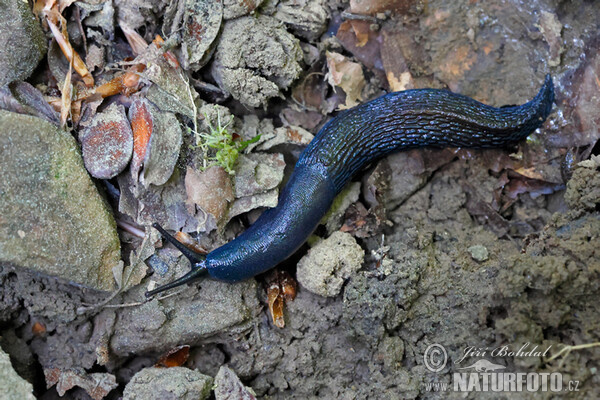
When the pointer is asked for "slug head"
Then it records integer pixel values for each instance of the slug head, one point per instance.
(196, 260)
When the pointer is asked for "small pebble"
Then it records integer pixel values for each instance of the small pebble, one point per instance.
(478, 253)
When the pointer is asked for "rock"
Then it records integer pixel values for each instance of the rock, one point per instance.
(22, 42)
(324, 268)
(551, 29)
(171, 91)
(373, 7)
(478, 253)
(392, 350)
(229, 387)
(306, 18)
(12, 385)
(54, 221)
(248, 203)
(107, 143)
(202, 21)
(189, 317)
(335, 215)
(255, 58)
(237, 8)
(286, 135)
(168, 383)
(583, 189)
(258, 173)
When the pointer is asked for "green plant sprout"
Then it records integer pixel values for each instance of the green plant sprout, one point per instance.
(227, 149)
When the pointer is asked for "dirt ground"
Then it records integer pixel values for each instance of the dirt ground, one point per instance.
(481, 252)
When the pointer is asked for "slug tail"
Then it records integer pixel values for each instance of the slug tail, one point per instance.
(545, 98)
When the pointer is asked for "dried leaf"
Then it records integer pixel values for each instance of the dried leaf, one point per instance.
(38, 329)
(97, 385)
(174, 358)
(202, 22)
(275, 301)
(168, 55)
(163, 150)
(22, 98)
(282, 288)
(190, 242)
(368, 54)
(529, 173)
(347, 75)
(396, 69)
(210, 190)
(126, 83)
(135, 40)
(142, 126)
(65, 99)
(71, 55)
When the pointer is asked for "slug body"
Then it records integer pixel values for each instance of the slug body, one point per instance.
(353, 139)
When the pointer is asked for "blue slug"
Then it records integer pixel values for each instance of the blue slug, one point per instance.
(354, 138)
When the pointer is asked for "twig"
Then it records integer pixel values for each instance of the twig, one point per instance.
(131, 229)
(565, 351)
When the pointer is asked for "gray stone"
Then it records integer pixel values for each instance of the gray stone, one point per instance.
(306, 18)
(191, 316)
(255, 58)
(12, 386)
(175, 383)
(258, 173)
(22, 42)
(324, 268)
(229, 387)
(53, 219)
(478, 253)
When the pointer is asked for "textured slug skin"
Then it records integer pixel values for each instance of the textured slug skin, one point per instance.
(356, 137)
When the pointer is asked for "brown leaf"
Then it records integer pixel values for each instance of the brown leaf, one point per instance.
(126, 83)
(142, 126)
(275, 301)
(22, 98)
(369, 54)
(71, 55)
(97, 385)
(174, 358)
(396, 69)
(38, 329)
(65, 99)
(347, 75)
(211, 190)
(190, 242)
(135, 40)
(282, 288)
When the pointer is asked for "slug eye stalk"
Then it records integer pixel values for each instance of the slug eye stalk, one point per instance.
(196, 260)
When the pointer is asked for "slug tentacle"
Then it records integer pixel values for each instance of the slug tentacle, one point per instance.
(354, 138)
(189, 254)
(197, 272)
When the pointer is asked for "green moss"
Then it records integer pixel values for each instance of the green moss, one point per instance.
(221, 144)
